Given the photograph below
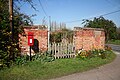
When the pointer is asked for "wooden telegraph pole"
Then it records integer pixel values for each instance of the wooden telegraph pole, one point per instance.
(11, 26)
(11, 17)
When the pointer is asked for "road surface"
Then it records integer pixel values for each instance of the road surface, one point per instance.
(107, 72)
(114, 47)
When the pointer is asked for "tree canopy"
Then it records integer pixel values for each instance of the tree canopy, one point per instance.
(58, 36)
(108, 26)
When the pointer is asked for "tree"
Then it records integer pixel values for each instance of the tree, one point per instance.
(54, 26)
(107, 25)
(7, 47)
(57, 36)
(118, 33)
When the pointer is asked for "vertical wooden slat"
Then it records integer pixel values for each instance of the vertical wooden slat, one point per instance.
(58, 49)
(62, 50)
(55, 50)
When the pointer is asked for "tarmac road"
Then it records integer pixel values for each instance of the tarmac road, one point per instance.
(114, 47)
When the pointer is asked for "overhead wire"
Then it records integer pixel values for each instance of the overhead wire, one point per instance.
(113, 4)
(110, 3)
(42, 8)
(94, 16)
(110, 13)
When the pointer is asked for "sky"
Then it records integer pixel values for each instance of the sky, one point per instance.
(68, 11)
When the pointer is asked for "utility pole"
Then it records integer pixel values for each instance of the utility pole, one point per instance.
(50, 23)
(11, 17)
(49, 29)
(11, 27)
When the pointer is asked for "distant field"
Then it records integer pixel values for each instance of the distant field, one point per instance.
(116, 42)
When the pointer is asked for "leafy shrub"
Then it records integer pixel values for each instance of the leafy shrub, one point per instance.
(81, 54)
(36, 57)
(45, 57)
(99, 53)
(95, 52)
(91, 53)
(21, 60)
(102, 54)
(4, 60)
(41, 57)
(108, 48)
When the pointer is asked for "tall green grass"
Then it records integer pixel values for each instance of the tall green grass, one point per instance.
(46, 70)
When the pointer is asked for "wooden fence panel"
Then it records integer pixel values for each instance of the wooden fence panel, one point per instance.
(62, 50)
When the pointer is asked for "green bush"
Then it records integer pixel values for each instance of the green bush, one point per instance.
(46, 57)
(36, 57)
(92, 53)
(41, 57)
(4, 60)
(99, 53)
(108, 48)
(21, 60)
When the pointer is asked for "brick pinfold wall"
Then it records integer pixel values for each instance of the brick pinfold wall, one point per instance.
(40, 39)
(83, 38)
(88, 38)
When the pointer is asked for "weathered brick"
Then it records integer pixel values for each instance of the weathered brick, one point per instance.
(89, 38)
(39, 35)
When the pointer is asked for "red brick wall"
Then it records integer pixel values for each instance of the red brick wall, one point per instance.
(84, 38)
(41, 35)
(89, 38)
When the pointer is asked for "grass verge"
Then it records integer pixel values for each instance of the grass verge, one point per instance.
(60, 67)
(116, 42)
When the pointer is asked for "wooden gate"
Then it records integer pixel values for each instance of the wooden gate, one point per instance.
(62, 50)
